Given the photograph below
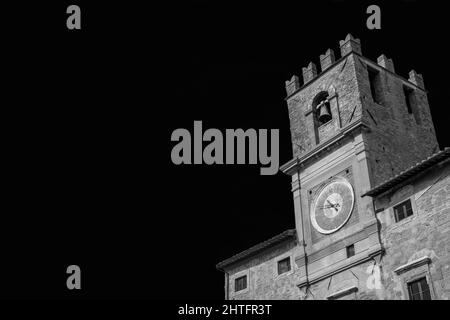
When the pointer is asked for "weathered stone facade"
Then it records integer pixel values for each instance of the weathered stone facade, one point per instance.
(425, 234)
(360, 122)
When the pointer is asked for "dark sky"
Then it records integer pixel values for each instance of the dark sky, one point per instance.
(90, 179)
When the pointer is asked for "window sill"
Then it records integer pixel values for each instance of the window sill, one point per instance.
(404, 220)
(284, 274)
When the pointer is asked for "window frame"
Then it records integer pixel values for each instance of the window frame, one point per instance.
(418, 280)
(411, 101)
(232, 280)
(402, 204)
(288, 259)
(373, 75)
(236, 282)
(410, 273)
(407, 92)
(350, 249)
(289, 255)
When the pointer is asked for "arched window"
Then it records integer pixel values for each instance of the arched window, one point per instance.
(321, 108)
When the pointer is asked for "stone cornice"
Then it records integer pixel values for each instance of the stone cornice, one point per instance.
(345, 265)
(369, 228)
(342, 292)
(413, 264)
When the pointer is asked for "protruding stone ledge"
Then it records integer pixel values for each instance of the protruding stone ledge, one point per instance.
(342, 292)
(413, 264)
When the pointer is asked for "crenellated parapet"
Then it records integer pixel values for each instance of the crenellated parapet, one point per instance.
(347, 46)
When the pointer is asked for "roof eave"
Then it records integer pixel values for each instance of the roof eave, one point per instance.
(409, 173)
(284, 236)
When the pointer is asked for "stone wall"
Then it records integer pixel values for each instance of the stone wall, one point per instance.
(356, 283)
(263, 281)
(425, 234)
(397, 139)
(388, 254)
(415, 247)
(340, 82)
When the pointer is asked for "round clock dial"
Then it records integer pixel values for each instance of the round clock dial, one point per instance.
(333, 206)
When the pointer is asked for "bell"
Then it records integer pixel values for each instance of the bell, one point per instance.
(324, 115)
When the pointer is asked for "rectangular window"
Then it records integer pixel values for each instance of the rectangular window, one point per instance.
(375, 85)
(350, 250)
(419, 290)
(284, 265)
(411, 103)
(240, 283)
(408, 98)
(403, 210)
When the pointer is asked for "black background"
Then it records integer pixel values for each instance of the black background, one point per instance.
(88, 116)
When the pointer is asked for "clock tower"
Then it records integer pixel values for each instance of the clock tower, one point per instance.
(354, 124)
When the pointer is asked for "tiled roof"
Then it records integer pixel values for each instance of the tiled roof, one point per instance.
(402, 176)
(286, 235)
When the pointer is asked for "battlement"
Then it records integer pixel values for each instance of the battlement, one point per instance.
(416, 78)
(310, 72)
(292, 85)
(327, 59)
(349, 45)
(386, 63)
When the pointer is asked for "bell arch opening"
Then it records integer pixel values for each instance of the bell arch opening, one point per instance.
(321, 108)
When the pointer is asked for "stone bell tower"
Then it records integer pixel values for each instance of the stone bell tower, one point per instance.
(354, 124)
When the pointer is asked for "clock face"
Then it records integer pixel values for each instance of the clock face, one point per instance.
(333, 206)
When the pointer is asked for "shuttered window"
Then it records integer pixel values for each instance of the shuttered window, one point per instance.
(403, 210)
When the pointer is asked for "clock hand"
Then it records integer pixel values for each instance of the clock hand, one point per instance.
(334, 206)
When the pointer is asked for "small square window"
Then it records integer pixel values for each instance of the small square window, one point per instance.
(240, 283)
(350, 250)
(403, 210)
(284, 265)
(419, 290)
